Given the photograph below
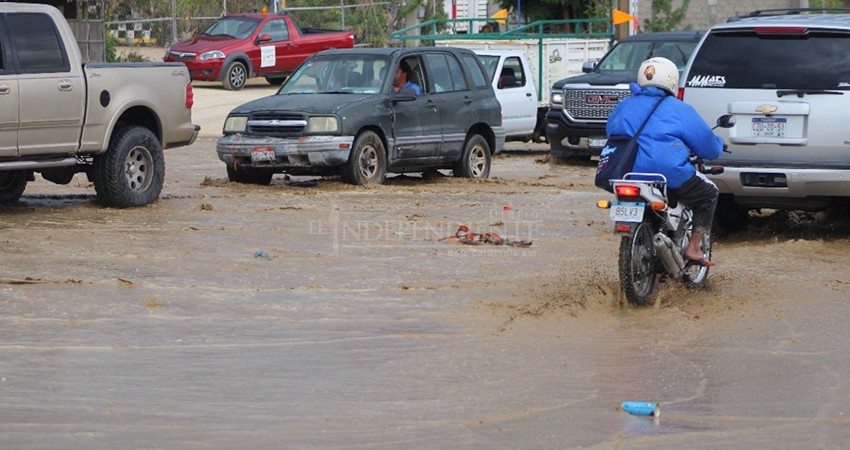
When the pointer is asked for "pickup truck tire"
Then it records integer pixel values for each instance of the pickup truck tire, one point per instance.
(235, 76)
(475, 161)
(12, 185)
(367, 163)
(249, 176)
(275, 81)
(132, 170)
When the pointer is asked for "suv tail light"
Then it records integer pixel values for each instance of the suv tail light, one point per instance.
(681, 94)
(190, 96)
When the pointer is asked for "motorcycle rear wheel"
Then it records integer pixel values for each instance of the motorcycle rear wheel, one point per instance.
(637, 265)
(696, 276)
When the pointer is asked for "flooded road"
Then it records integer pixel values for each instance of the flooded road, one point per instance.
(313, 314)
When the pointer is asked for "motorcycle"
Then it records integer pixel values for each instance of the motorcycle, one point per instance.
(655, 231)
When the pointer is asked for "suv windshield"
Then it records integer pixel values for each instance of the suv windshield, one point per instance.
(361, 74)
(814, 60)
(236, 27)
(627, 56)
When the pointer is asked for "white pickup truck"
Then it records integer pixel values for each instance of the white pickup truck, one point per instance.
(512, 81)
(59, 116)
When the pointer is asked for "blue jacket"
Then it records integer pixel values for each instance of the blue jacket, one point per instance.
(663, 145)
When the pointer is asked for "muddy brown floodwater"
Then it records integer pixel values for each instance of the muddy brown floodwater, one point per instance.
(357, 326)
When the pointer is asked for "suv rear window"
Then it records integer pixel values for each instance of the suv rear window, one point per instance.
(746, 60)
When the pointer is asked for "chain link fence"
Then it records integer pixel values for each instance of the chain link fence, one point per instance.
(160, 23)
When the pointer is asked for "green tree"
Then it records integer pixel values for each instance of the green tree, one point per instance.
(664, 17)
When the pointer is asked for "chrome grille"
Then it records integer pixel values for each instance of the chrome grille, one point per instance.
(592, 104)
(183, 55)
(277, 124)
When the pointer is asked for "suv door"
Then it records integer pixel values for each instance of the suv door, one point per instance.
(417, 122)
(52, 92)
(8, 99)
(456, 105)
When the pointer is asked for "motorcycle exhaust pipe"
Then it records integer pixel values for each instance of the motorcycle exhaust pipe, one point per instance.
(669, 254)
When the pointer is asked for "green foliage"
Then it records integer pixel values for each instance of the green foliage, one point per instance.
(533, 10)
(664, 17)
(112, 51)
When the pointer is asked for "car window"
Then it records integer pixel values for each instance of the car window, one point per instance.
(38, 44)
(338, 74)
(490, 62)
(446, 72)
(512, 75)
(276, 28)
(478, 77)
(628, 56)
(746, 60)
(417, 74)
(237, 27)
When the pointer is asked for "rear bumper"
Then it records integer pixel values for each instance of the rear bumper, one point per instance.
(759, 182)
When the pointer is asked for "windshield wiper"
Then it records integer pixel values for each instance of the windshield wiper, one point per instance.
(801, 92)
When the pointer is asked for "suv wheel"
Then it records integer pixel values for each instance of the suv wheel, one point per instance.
(367, 163)
(475, 162)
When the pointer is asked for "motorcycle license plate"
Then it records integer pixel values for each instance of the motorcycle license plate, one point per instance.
(626, 212)
(261, 154)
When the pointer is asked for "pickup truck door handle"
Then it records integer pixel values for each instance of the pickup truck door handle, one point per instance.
(65, 85)
(528, 94)
(5, 89)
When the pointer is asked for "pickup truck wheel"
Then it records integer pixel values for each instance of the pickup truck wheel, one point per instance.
(367, 163)
(249, 176)
(235, 76)
(475, 162)
(132, 170)
(12, 185)
(275, 81)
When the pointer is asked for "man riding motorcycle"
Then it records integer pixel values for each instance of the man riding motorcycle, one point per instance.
(673, 132)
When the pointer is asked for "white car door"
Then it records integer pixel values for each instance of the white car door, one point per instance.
(515, 92)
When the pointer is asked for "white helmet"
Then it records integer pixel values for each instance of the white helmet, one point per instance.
(659, 72)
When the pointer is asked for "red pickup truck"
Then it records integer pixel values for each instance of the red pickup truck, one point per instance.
(241, 46)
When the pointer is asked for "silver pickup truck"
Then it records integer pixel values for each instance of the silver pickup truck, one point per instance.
(59, 116)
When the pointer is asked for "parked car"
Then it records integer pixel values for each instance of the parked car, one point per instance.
(786, 78)
(59, 116)
(240, 46)
(338, 114)
(579, 106)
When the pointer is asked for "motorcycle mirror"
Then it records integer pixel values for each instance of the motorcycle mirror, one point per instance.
(726, 121)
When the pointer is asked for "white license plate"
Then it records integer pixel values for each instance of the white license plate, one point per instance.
(261, 154)
(596, 142)
(626, 212)
(769, 127)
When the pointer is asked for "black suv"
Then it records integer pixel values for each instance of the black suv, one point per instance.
(579, 106)
(338, 114)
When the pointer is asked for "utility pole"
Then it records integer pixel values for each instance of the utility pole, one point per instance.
(622, 30)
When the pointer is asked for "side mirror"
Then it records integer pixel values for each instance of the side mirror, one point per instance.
(404, 95)
(588, 66)
(264, 38)
(726, 121)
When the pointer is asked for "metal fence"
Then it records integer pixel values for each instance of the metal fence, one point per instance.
(160, 23)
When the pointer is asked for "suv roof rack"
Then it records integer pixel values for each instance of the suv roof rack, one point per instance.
(786, 12)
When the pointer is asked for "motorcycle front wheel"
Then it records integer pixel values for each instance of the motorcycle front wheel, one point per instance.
(637, 265)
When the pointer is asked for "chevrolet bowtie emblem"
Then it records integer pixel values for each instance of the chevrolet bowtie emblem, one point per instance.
(767, 109)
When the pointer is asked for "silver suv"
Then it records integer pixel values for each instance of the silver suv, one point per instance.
(786, 78)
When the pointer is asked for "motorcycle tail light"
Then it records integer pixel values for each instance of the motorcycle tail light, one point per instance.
(622, 228)
(657, 206)
(628, 191)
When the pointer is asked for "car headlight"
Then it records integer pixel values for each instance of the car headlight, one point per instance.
(212, 54)
(235, 124)
(556, 97)
(322, 124)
